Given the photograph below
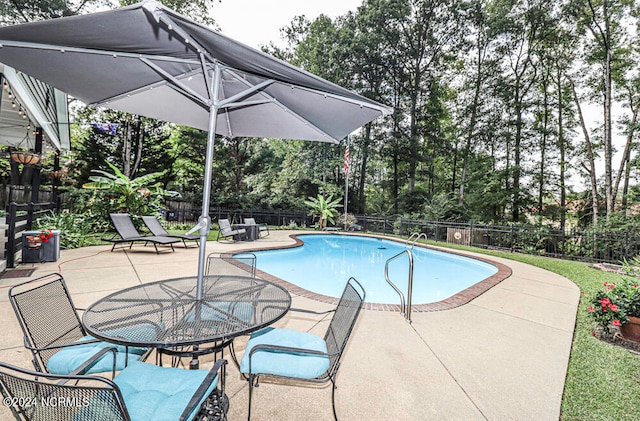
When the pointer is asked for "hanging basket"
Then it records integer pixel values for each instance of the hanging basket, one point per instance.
(27, 158)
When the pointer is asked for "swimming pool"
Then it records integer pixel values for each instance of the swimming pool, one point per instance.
(325, 262)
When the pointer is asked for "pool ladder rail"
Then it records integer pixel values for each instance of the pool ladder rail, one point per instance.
(405, 308)
(418, 236)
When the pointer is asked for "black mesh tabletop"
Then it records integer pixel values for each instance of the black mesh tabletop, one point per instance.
(166, 313)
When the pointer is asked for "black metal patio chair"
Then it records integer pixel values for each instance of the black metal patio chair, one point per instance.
(302, 356)
(226, 231)
(53, 332)
(140, 392)
(158, 230)
(129, 234)
(263, 227)
(241, 264)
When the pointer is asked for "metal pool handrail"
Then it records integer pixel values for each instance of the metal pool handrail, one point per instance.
(418, 236)
(405, 310)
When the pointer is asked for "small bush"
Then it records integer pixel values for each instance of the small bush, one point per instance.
(76, 229)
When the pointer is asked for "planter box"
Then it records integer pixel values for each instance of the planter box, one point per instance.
(48, 252)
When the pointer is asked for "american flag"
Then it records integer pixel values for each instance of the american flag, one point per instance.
(346, 159)
(106, 127)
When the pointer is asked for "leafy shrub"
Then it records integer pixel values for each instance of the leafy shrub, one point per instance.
(612, 305)
(347, 221)
(76, 229)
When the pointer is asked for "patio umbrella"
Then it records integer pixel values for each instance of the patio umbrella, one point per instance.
(147, 59)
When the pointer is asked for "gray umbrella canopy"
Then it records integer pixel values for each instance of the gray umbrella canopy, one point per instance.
(146, 59)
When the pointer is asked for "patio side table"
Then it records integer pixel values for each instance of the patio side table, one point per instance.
(252, 231)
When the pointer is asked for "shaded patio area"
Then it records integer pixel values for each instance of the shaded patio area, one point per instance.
(503, 355)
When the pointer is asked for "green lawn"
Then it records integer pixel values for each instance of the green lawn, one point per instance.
(603, 380)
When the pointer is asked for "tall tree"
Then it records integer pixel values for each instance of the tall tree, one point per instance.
(591, 155)
(198, 10)
(526, 25)
(626, 77)
(423, 36)
(605, 21)
(479, 67)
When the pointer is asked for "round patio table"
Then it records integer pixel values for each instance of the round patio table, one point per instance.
(166, 314)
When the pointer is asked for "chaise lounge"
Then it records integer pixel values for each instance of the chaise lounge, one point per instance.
(129, 234)
(158, 230)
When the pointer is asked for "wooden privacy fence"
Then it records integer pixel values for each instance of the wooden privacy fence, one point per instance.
(19, 219)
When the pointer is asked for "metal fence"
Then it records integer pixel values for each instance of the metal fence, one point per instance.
(583, 245)
(186, 212)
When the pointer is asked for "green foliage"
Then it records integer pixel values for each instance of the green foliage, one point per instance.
(140, 146)
(346, 221)
(138, 196)
(613, 304)
(632, 268)
(619, 222)
(20, 11)
(476, 87)
(198, 10)
(325, 209)
(76, 229)
(439, 207)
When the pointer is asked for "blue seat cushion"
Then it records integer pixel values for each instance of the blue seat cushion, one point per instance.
(160, 393)
(71, 357)
(281, 363)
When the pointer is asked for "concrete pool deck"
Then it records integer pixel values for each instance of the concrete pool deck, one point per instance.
(502, 356)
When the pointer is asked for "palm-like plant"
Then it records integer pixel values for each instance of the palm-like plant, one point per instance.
(325, 209)
(130, 194)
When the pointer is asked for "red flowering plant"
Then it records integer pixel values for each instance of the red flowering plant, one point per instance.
(45, 235)
(612, 306)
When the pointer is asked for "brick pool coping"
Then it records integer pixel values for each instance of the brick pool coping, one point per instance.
(461, 298)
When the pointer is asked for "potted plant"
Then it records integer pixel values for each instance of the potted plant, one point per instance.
(618, 305)
(45, 235)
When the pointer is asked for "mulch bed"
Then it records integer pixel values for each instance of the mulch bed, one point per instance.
(609, 267)
(614, 338)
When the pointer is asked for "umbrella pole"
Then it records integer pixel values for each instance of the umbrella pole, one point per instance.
(205, 221)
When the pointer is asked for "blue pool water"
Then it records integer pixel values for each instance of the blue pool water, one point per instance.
(325, 262)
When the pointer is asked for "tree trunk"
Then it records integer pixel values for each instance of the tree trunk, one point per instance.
(413, 149)
(590, 156)
(608, 147)
(543, 145)
(626, 155)
(472, 124)
(140, 136)
(363, 168)
(454, 169)
(625, 188)
(126, 150)
(396, 188)
(561, 146)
